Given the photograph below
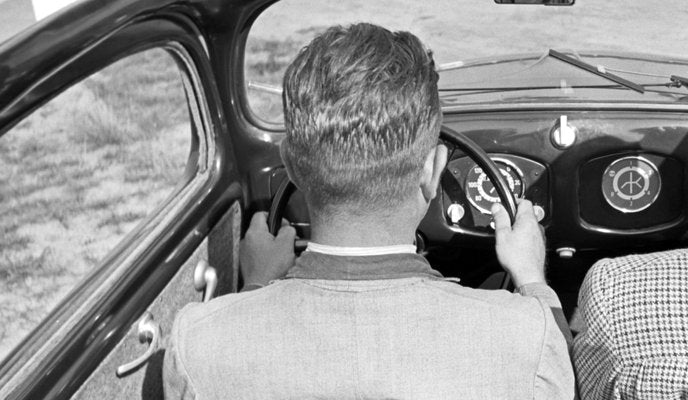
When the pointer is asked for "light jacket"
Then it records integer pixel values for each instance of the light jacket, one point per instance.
(375, 327)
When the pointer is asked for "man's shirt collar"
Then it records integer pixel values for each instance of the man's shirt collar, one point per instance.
(316, 265)
(361, 251)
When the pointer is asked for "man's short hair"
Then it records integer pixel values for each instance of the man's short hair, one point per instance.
(362, 113)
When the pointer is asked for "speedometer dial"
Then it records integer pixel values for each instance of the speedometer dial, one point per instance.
(631, 184)
(480, 191)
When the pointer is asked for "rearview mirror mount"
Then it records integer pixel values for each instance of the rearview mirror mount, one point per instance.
(541, 2)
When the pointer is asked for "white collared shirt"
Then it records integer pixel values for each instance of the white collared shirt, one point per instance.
(361, 251)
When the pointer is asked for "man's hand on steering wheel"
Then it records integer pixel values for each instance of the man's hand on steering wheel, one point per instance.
(521, 247)
(264, 257)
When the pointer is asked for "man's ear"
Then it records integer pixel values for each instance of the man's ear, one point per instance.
(434, 165)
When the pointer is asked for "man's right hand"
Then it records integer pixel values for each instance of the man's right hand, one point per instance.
(521, 247)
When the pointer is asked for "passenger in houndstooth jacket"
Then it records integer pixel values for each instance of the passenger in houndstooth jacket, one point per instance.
(635, 341)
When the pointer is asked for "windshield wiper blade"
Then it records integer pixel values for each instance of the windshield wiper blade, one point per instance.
(597, 71)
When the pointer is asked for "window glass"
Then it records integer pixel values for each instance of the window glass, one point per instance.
(80, 173)
(464, 30)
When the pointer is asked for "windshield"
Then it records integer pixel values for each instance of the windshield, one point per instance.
(489, 52)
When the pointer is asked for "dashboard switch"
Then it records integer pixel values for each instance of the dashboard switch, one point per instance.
(455, 212)
(563, 136)
(566, 252)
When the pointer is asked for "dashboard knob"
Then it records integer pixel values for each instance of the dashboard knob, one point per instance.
(564, 135)
(539, 213)
(566, 252)
(455, 212)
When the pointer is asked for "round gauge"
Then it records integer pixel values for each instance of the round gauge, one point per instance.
(631, 184)
(480, 191)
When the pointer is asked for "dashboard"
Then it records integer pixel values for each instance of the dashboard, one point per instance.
(606, 183)
(605, 180)
(599, 179)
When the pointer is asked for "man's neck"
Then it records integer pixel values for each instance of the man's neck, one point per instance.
(363, 231)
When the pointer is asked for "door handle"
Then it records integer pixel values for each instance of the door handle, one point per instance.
(205, 277)
(148, 330)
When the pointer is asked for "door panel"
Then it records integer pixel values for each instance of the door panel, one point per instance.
(220, 249)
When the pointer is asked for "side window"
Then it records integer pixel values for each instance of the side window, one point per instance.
(266, 60)
(80, 173)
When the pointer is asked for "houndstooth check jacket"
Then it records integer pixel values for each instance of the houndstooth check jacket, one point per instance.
(635, 344)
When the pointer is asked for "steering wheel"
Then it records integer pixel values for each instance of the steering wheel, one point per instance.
(477, 154)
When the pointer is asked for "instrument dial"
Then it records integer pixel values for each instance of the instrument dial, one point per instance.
(631, 184)
(480, 191)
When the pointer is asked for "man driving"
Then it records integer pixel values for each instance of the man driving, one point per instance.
(359, 314)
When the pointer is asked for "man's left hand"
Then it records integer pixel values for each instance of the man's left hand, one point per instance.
(264, 257)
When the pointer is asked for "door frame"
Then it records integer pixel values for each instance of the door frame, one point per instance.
(56, 358)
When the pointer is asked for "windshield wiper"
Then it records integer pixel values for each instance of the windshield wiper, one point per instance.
(597, 71)
(678, 81)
